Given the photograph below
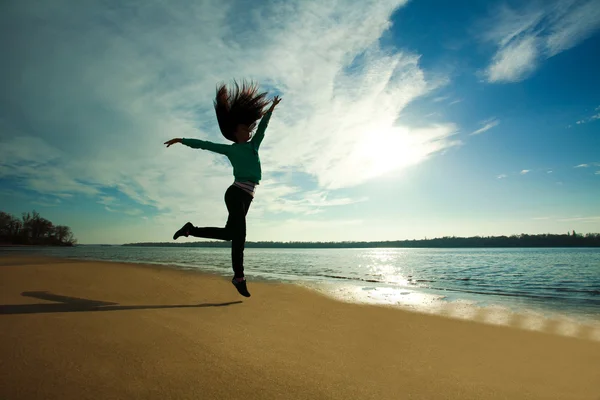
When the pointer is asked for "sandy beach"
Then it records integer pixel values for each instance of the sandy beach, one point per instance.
(97, 330)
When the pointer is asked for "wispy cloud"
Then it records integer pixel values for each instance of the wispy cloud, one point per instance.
(514, 62)
(523, 172)
(527, 36)
(279, 198)
(487, 125)
(111, 204)
(502, 176)
(96, 119)
(597, 173)
(133, 211)
(446, 98)
(107, 200)
(580, 219)
(590, 119)
(47, 202)
(587, 165)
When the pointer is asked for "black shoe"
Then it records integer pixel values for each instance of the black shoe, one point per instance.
(184, 231)
(241, 287)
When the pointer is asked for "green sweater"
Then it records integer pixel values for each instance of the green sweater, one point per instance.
(243, 156)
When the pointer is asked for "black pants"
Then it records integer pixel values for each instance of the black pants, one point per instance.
(238, 203)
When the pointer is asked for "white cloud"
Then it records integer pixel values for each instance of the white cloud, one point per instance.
(111, 204)
(590, 119)
(440, 98)
(133, 211)
(501, 176)
(515, 61)
(523, 172)
(533, 33)
(574, 22)
(47, 202)
(549, 172)
(597, 173)
(311, 228)
(580, 219)
(40, 167)
(587, 165)
(487, 125)
(103, 89)
(275, 197)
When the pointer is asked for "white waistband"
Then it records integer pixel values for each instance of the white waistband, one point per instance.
(246, 186)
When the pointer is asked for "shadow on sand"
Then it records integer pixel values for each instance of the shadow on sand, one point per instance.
(75, 304)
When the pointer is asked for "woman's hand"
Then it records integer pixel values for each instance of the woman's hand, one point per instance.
(172, 141)
(276, 101)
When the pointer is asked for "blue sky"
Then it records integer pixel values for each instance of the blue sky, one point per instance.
(399, 119)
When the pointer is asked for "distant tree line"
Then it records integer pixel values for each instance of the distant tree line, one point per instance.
(32, 229)
(523, 240)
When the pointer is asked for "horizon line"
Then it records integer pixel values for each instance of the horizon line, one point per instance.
(569, 233)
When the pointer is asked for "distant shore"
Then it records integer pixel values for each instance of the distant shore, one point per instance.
(514, 241)
(37, 245)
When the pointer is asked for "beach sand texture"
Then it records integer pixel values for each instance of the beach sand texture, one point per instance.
(73, 329)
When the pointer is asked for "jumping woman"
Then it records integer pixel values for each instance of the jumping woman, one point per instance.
(237, 113)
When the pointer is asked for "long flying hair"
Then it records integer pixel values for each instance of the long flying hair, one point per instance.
(239, 106)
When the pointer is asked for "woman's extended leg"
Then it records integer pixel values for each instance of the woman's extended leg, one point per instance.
(237, 202)
(213, 232)
(209, 232)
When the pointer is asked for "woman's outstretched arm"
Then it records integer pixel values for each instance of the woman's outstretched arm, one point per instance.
(264, 122)
(201, 144)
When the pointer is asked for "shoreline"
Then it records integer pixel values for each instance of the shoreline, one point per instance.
(75, 329)
(546, 321)
(487, 308)
(558, 322)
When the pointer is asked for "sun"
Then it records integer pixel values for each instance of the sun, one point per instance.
(386, 150)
